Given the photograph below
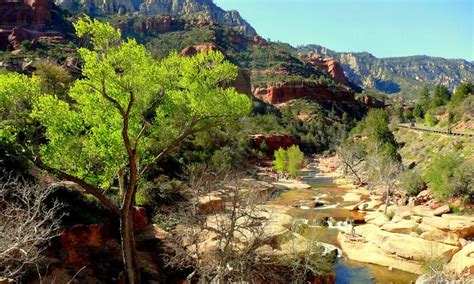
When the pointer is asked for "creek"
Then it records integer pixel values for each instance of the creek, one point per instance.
(322, 223)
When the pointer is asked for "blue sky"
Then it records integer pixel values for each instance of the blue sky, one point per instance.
(385, 28)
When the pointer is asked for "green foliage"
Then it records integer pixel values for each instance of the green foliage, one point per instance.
(425, 98)
(449, 175)
(281, 160)
(85, 136)
(431, 120)
(441, 96)
(418, 111)
(289, 160)
(16, 128)
(295, 160)
(412, 182)
(462, 91)
(53, 78)
(376, 127)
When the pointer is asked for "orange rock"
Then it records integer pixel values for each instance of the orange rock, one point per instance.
(77, 241)
(195, 49)
(328, 65)
(274, 142)
(278, 93)
(140, 219)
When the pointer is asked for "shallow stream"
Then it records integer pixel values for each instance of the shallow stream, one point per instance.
(332, 211)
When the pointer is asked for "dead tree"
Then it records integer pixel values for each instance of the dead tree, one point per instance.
(222, 247)
(27, 224)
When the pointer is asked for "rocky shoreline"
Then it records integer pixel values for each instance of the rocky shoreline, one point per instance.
(412, 235)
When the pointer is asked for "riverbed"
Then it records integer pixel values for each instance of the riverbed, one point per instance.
(321, 208)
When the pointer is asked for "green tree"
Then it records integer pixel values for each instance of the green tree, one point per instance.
(418, 111)
(16, 95)
(127, 114)
(449, 175)
(281, 160)
(425, 98)
(412, 182)
(462, 91)
(441, 96)
(295, 160)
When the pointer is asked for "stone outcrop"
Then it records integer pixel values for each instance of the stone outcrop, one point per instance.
(273, 142)
(18, 35)
(401, 251)
(462, 263)
(79, 241)
(278, 93)
(195, 49)
(328, 65)
(198, 10)
(25, 12)
(372, 102)
(150, 24)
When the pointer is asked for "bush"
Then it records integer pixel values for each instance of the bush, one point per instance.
(430, 119)
(412, 183)
(449, 175)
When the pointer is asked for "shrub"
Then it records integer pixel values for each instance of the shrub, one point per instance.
(430, 119)
(412, 183)
(418, 111)
(449, 175)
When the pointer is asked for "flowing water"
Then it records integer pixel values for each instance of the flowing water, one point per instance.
(323, 222)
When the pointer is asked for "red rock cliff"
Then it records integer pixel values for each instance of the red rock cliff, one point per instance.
(283, 92)
(328, 65)
(274, 142)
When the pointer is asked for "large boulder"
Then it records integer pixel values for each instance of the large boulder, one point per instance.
(279, 93)
(462, 263)
(461, 225)
(401, 251)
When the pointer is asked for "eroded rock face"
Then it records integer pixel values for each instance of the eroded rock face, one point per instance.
(401, 251)
(78, 241)
(146, 25)
(195, 49)
(19, 34)
(25, 13)
(201, 10)
(273, 142)
(328, 65)
(277, 93)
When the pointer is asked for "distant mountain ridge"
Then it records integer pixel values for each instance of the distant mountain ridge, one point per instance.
(403, 75)
(188, 9)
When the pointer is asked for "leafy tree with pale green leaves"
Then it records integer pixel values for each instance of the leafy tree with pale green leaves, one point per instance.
(281, 160)
(295, 160)
(16, 95)
(127, 114)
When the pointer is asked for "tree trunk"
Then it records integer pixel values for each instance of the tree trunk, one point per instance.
(128, 247)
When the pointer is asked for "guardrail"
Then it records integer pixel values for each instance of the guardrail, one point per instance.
(451, 133)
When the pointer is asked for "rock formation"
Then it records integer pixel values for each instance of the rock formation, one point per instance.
(278, 93)
(195, 49)
(273, 142)
(404, 75)
(204, 10)
(328, 65)
(150, 24)
(24, 20)
(25, 12)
